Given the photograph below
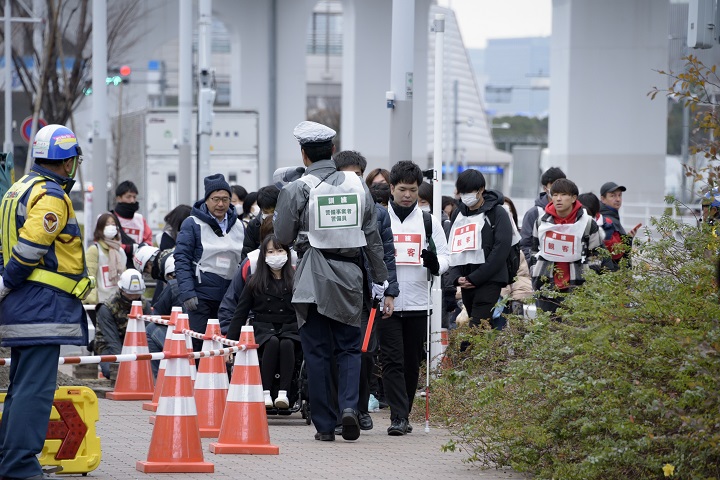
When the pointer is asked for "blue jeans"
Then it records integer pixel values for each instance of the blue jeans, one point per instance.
(26, 413)
(318, 335)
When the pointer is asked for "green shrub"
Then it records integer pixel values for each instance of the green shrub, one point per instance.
(626, 384)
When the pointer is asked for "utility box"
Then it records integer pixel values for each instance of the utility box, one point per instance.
(150, 156)
(702, 27)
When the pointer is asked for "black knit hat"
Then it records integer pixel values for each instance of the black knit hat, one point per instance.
(216, 182)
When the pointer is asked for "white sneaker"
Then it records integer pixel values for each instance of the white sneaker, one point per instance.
(268, 399)
(282, 400)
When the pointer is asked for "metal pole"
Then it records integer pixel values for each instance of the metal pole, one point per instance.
(206, 96)
(8, 143)
(436, 321)
(402, 60)
(685, 153)
(455, 131)
(185, 103)
(99, 111)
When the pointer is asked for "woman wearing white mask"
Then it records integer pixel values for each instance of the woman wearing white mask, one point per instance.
(268, 294)
(106, 259)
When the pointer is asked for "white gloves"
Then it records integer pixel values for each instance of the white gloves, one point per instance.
(3, 289)
(378, 290)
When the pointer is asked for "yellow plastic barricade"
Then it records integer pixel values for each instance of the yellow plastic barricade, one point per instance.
(71, 441)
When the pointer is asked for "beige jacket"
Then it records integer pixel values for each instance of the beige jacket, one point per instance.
(522, 288)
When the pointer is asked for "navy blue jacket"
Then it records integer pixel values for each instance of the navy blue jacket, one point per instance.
(188, 252)
(386, 234)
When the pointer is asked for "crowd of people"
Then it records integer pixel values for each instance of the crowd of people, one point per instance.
(304, 260)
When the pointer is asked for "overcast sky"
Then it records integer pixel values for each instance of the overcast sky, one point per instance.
(483, 19)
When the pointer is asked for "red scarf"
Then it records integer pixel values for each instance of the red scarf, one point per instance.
(562, 269)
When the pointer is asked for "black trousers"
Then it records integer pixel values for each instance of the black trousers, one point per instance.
(401, 351)
(198, 319)
(367, 359)
(479, 302)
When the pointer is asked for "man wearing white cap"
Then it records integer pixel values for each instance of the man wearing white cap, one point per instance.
(329, 216)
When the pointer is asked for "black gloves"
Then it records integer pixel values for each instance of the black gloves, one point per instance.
(430, 261)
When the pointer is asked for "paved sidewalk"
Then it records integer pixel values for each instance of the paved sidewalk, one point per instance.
(125, 435)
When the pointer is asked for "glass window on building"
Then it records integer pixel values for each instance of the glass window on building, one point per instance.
(325, 33)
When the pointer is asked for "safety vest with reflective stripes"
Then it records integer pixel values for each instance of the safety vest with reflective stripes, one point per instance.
(11, 208)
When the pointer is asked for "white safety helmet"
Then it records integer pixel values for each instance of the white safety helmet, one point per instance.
(169, 265)
(144, 255)
(131, 281)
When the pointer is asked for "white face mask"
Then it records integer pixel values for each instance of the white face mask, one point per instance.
(425, 208)
(276, 262)
(110, 231)
(255, 211)
(469, 199)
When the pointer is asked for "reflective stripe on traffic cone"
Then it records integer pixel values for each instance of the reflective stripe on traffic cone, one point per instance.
(211, 384)
(134, 379)
(244, 426)
(175, 446)
(183, 322)
(152, 405)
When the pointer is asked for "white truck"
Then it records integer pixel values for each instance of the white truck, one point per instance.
(149, 156)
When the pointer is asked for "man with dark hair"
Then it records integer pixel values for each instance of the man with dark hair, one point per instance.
(420, 253)
(347, 160)
(617, 240)
(480, 240)
(134, 230)
(531, 216)
(350, 161)
(266, 199)
(208, 253)
(564, 238)
(330, 217)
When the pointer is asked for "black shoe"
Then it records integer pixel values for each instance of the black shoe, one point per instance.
(325, 436)
(409, 427)
(338, 429)
(365, 421)
(350, 425)
(398, 427)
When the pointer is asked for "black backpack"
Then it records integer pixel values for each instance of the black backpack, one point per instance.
(513, 259)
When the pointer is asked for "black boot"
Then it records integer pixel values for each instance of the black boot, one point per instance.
(398, 427)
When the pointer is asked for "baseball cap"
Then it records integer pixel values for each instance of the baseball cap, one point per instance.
(610, 187)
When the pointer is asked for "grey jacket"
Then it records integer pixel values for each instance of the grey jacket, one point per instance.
(330, 278)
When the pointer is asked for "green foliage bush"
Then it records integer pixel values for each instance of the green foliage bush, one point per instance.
(626, 384)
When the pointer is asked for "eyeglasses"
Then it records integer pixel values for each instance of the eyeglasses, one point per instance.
(220, 199)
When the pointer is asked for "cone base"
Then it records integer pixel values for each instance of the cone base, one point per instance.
(209, 432)
(246, 449)
(129, 396)
(150, 406)
(175, 467)
(151, 419)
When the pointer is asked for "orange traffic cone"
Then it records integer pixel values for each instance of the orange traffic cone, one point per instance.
(134, 379)
(152, 405)
(183, 322)
(244, 426)
(211, 385)
(175, 446)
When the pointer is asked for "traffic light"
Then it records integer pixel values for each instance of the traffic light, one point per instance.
(118, 75)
